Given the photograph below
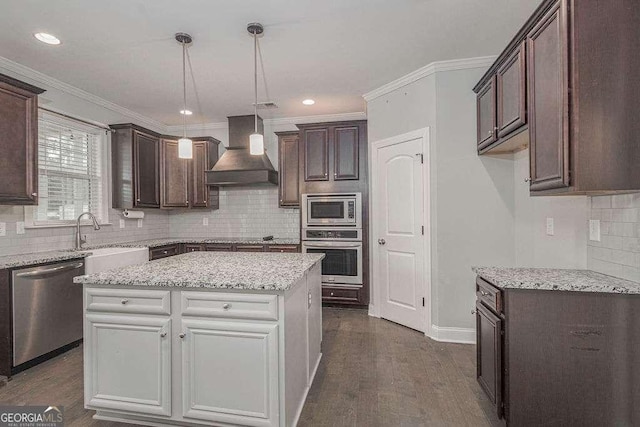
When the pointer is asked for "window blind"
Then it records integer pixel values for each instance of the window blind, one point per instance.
(70, 172)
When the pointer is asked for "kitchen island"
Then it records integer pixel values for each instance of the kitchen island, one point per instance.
(203, 338)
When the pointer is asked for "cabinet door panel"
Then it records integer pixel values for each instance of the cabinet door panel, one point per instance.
(316, 155)
(175, 173)
(489, 354)
(232, 354)
(548, 79)
(314, 319)
(289, 171)
(146, 170)
(486, 110)
(512, 102)
(200, 164)
(19, 142)
(135, 376)
(346, 152)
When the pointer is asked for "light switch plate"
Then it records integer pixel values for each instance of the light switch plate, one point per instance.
(140, 223)
(3, 228)
(205, 221)
(122, 223)
(550, 227)
(20, 227)
(594, 230)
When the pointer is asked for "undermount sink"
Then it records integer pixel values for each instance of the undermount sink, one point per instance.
(109, 258)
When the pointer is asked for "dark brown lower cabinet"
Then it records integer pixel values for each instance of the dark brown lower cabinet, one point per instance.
(350, 296)
(489, 354)
(560, 358)
(164, 252)
(249, 248)
(219, 247)
(188, 247)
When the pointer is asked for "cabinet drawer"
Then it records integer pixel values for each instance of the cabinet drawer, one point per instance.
(283, 248)
(250, 248)
(193, 248)
(163, 252)
(489, 295)
(344, 295)
(128, 301)
(219, 247)
(236, 306)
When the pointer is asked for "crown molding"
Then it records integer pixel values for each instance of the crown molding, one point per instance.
(42, 79)
(284, 121)
(427, 70)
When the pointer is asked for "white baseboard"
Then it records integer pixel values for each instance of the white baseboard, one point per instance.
(373, 312)
(454, 335)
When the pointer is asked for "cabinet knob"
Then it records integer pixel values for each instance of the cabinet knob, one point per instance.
(34, 194)
(163, 334)
(490, 133)
(382, 241)
(473, 312)
(182, 335)
(137, 200)
(527, 180)
(165, 252)
(124, 301)
(484, 294)
(226, 306)
(331, 293)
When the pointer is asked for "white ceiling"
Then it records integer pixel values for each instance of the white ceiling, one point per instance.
(333, 51)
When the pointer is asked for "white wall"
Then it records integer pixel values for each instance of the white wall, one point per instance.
(471, 197)
(567, 248)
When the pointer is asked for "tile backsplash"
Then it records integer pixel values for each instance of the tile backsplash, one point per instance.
(618, 251)
(244, 212)
(155, 225)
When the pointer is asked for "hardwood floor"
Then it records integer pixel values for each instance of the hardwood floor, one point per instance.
(373, 373)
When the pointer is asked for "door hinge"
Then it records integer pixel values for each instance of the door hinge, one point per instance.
(423, 301)
(421, 155)
(423, 230)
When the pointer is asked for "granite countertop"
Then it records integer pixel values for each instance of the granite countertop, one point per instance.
(553, 279)
(216, 270)
(28, 260)
(154, 243)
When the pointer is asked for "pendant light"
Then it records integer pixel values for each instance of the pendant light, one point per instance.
(256, 140)
(185, 145)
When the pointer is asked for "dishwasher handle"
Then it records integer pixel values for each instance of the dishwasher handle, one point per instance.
(59, 269)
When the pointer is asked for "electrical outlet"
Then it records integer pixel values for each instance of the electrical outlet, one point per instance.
(140, 223)
(205, 221)
(122, 223)
(3, 228)
(20, 227)
(594, 230)
(550, 228)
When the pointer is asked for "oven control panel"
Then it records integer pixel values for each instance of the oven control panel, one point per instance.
(332, 234)
(351, 209)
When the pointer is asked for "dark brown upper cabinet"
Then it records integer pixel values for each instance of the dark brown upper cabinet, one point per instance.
(548, 46)
(19, 142)
(512, 94)
(581, 102)
(174, 175)
(345, 152)
(486, 111)
(135, 154)
(316, 154)
(331, 153)
(288, 166)
(183, 180)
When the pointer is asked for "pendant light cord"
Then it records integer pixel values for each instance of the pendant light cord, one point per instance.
(184, 91)
(255, 77)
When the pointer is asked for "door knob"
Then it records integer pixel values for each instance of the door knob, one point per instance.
(381, 241)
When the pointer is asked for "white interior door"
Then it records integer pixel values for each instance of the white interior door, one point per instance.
(398, 215)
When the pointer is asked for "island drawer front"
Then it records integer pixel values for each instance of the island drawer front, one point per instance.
(489, 295)
(236, 306)
(128, 301)
(164, 252)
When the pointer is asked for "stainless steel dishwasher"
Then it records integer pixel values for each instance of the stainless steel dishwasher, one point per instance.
(47, 309)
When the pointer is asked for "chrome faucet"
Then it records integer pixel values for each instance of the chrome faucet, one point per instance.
(79, 239)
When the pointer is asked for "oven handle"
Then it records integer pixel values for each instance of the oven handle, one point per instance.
(332, 245)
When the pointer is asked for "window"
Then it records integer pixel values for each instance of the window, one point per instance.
(71, 172)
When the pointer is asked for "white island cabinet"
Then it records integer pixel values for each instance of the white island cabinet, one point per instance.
(206, 348)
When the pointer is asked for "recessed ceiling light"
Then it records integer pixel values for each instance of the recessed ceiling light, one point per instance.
(47, 38)
(308, 102)
(186, 112)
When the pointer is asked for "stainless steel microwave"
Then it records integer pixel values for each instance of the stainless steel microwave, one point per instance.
(331, 209)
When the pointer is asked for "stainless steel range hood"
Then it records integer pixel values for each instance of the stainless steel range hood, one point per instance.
(237, 166)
